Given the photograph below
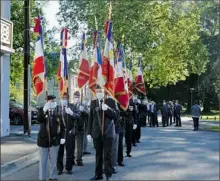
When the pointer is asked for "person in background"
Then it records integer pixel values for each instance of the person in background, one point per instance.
(164, 112)
(121, 127)
(174, 112)
(196, 113)
(130, 118)
(50, 136)
(85, 145)
(68, 114)
(79, 127)
(178, 109)
(170, 112)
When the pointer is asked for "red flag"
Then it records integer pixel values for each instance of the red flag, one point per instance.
(38, 71)
(83, 75)
(108, 61)
(130, 82)
(139, 81)
(121, 84)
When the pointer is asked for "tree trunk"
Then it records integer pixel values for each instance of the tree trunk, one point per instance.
(206, 105)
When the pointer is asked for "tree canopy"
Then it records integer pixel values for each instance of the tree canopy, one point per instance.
(166, 33)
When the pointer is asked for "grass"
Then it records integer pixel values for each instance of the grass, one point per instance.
(213, 128)
(212, 116)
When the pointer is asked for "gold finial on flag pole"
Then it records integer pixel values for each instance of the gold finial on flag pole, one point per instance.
(110, 10)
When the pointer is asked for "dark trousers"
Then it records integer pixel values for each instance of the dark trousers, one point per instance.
(134, 133)
(152, 119)
(103, 145)
(174, 118)
(79, 147)
(138, 133)
(148, 117)
(170, 118)
(196, 123)
(120, 147)
(178, 120)
(70, 147)
(128, 137)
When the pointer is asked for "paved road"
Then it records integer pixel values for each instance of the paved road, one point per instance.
(164, 153)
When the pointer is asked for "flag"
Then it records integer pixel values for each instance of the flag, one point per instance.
(83, 75)
(62, 73)
(108, 61)
(93, 74)
(130, 81)
(121, 83)
(38, 71)
(139, 81)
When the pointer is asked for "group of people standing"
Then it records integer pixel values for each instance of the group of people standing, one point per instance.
(101, 119)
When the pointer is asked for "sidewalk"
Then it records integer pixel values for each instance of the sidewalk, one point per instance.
(18, 150)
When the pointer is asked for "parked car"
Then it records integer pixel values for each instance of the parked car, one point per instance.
(16, 113)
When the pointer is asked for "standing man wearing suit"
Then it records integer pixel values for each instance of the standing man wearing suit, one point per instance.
(103, 143)
(80, 128)
(68, 115)
(130, 117)
(178, 109)
(164, 112)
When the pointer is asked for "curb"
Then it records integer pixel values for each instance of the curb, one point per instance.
(18, 164)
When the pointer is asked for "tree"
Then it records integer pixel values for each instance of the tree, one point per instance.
(165, 33)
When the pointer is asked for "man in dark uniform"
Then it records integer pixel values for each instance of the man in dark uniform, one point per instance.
(50, 136)
(121, 128)
(178, 109)
(68, 114)
(130, 117)
(80, 128)
(164, 112)
(102, 141)
(170, 112)
(174, 112)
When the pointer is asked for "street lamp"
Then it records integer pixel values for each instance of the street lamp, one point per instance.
(192, 89)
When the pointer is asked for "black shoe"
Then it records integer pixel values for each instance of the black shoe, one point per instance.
(80, 164)
(86, 153)
(114, 171)
(129, 155)
(69, 172)
(97, 177)
(138, 141)
(53, 179)
(134, 145)
(59, 172)
(108, 178)
(121, 164)
(194, 129)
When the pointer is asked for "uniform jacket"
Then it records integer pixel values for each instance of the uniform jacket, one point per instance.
(82, 120)
(178, 109)
(130, 116)
(142, 113)
(68, 120)
(51, 130)
(95, 119)
(164, 111)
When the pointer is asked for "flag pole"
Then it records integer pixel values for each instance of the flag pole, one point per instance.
(104, 100)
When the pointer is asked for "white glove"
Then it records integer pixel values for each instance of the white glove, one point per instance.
(69, 111)
(104, 107)
(134, 126)
(81, 108)
(46, 106)
(89, 138)
(139, 101)
(62, 141)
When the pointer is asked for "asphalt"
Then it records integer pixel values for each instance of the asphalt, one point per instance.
(169, 153)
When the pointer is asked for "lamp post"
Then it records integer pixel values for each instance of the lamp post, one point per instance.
(192, 89)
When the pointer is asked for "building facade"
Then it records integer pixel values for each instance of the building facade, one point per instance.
(6, 50)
